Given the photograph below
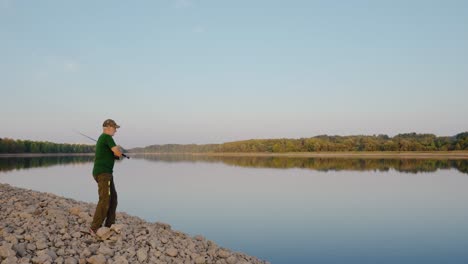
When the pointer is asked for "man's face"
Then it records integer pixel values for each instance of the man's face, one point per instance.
(110, 130)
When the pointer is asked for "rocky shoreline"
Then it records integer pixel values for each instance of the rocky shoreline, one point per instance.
(40, 227)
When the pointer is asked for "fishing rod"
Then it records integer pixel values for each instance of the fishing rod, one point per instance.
(96, 141)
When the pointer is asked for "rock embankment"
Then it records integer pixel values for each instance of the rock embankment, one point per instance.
(40, 227)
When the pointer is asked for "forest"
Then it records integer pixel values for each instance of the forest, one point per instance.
(8, 145)
(324, 143)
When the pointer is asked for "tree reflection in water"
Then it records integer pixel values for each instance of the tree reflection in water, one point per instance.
(315, 163)
(18, 163)
(322, 164)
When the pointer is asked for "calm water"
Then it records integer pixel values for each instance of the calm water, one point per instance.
(285, 210)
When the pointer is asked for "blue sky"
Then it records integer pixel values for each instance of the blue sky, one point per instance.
(192, 71)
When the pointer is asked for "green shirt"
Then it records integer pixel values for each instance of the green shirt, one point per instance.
(104, 158)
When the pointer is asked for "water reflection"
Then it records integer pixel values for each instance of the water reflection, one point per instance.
(18, 163)
(319, 164)
(322, 164)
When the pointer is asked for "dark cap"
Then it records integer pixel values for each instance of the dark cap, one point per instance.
(110, 123)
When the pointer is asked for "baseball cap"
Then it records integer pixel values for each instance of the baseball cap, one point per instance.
(111, 123)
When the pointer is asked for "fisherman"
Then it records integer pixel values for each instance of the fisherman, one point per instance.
(106, 153)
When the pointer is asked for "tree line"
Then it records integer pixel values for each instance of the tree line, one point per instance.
(8, 145)
(324, 143)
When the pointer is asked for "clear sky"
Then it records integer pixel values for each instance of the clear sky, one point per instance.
(187, 71)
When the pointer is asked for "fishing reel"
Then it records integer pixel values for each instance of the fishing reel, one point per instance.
(123, 155)
(121, 151)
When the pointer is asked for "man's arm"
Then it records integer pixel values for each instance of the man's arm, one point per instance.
(117, 151)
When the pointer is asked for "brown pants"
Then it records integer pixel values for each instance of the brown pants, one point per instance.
(107, 204)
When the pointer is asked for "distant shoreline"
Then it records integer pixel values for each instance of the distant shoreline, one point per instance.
(350, 154)
(364, 154)
(26, 155)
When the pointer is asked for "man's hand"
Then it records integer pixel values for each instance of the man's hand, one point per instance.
(117, 151)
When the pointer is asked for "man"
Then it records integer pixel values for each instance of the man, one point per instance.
(106, 153)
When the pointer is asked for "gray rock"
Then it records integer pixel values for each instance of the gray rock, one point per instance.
(117, 228)
(120, 260)
(85, 216)
(93, 248)
(20, 249)
(70, 260)
(74, 211)
(42, 259)
(31, 247)
(106, 251)
(223, 253)
(61, 222)
(52, 254)
(10, 260)
(153, 243)
(44, 228)
(19, 231)
(6, 251)
(142, 254)
(41, 245)
(131, 251)
(97, 259)
(200, 260)
(24, 261)
(28, 237)
(163, 225)
(199, 238)
(70, 251)
(157, 253)
(54, 213)
(12, 239)
(171, 252)
(25, 215)
(60, 252)
(86, 253)
(231, 260)
(104, 233)
(59, 243)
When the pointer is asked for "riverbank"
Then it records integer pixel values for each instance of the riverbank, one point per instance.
(33, 155)
(342, 154)
(355, 154)
(41, 227)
